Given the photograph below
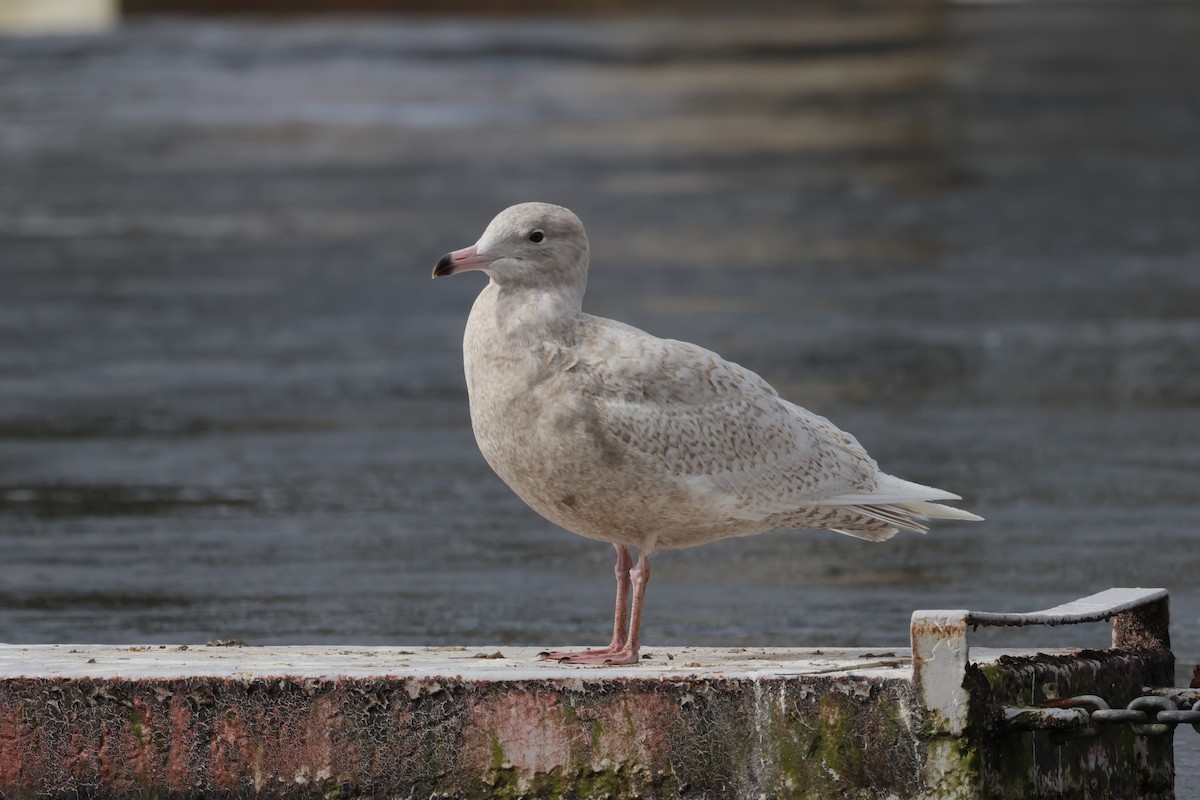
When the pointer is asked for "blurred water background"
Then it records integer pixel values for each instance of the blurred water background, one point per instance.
(231, 400)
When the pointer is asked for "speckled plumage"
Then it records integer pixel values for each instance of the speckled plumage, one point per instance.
(620, 436)
(643, 442)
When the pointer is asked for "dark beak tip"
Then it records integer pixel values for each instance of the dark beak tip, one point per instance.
(444, 267)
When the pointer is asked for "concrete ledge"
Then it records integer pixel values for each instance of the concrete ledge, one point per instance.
(110, 721)
(302, 721)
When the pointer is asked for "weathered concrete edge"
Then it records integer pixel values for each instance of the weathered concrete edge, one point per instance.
(480, 662)
(839, 722)
(823, 724)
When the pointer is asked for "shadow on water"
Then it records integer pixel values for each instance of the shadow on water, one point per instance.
(231, 401)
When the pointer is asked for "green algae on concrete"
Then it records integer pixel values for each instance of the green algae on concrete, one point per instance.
(744, 738)
(804, 725)
(841, 739)
(1019, 765)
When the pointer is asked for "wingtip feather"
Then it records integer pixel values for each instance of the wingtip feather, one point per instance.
(939, 511)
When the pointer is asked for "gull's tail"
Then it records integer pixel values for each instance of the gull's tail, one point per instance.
(895, 504)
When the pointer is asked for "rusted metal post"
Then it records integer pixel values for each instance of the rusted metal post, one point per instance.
(940, 658)
(1144, 627)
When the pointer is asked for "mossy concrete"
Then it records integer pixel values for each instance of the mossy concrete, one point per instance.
(435, 722)
(1018, 765)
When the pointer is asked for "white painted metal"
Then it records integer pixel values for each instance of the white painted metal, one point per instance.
(1094, 608)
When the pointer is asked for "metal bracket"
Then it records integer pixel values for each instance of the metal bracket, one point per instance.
(940, 653)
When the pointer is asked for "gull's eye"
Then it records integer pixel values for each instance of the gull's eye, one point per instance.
(536, 236)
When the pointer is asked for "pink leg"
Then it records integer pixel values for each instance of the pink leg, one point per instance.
(628, 653)
(624, 563)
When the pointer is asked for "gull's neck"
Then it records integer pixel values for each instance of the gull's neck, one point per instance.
(522, 316)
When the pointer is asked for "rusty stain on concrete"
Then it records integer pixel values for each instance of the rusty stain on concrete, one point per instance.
(106, 721)
(283, 722)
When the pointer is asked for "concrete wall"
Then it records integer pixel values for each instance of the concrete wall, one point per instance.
(106, 721)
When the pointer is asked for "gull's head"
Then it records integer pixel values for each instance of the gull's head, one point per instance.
(528, 245)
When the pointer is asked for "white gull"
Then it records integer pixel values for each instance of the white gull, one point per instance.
(643, 442)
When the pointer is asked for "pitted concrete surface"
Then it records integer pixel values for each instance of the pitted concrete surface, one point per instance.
(483, 663)
(140, 662)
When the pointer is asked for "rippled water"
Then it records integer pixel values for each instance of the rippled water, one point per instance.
(231, 402)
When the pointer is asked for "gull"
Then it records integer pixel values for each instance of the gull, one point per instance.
(642, 442)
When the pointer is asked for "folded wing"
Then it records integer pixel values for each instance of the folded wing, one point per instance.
(725, 432)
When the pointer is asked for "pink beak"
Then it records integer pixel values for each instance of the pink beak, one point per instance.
(464, 260)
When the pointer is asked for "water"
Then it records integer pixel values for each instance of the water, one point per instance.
(231, 402)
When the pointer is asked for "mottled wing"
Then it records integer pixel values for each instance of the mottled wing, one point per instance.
(717, 426)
